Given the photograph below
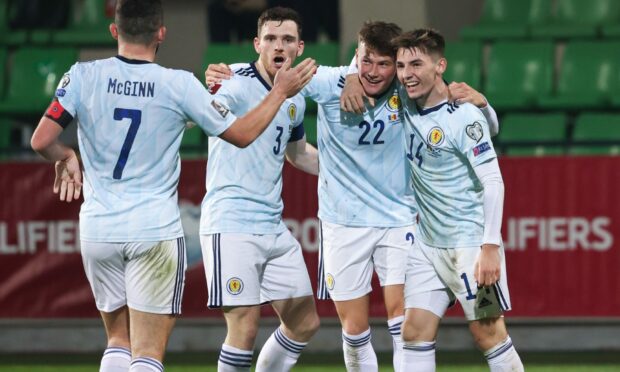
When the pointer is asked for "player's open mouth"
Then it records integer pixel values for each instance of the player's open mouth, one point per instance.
(412, 84)
(278, 61)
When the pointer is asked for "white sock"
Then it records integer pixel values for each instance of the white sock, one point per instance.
(418, 356)
(503, 357)
(394, 325)
(279, 354)
(234, 360)
(359, 356)
(145, 364)
(115, 359)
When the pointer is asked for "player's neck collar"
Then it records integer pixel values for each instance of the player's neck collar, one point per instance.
(259, 76)
(425, 111)
(132, 61)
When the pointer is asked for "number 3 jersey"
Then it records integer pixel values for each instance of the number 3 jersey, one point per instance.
(363, 178)
(131, 116)
(244, 185)
(445, 143)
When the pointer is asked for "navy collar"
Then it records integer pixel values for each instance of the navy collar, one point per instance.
(259, 76)
(132, 61)
(423, 112)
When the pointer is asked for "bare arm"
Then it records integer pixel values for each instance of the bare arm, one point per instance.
(68, 179)
(288, 82)
(303, 156)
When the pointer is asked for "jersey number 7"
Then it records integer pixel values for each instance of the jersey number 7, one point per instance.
(135, 117)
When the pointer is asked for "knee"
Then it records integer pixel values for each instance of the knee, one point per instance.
(413, 333)
(306, 329)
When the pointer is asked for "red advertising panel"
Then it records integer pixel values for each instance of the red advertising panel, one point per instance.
(560, 228)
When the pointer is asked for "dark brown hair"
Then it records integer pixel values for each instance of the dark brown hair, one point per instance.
(279, 14)
(139, 20)
(426, 40)
(378, 36)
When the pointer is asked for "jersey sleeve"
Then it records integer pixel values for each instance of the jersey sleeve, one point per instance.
(210, 113)
(64, 105)
(326, 84)
(298, 132)
(472, 136)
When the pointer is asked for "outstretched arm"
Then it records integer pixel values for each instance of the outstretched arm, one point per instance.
(303, 156)
(288, 82)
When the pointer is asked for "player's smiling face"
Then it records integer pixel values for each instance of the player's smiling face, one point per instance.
(276, 42)
(418, 72)
(376, 71)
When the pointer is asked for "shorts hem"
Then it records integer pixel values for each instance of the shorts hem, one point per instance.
(164, 310)
(347, 296)
(111, 308)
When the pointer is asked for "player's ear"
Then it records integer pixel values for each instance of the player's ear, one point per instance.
(300, 48)
(442, 64)
(161, 34)
(114, 30)
(257, 45)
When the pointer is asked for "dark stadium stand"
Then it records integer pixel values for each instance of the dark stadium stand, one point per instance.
(588, 73)
(597, 127)
(577, 19)
(504, 19)
(34, 75)
(88, 26)
(518, 74)
(464, 63)
(533, 134)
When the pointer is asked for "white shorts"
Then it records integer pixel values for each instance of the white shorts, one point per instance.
(251, 269)
(349, 255)
(146, 276)
(436, 277)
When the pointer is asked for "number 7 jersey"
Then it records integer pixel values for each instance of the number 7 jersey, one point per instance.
(131, 116)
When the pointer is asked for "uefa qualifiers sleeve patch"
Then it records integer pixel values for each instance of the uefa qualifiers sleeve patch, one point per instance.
(57, 113)
(223, 111)
(481, 148)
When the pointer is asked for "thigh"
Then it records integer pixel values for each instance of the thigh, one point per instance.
(477, 303)
(285, 274)
(347, 260)
(116, 325)
(105, 269)
(234, 265)
(424, 288)
(155, 276)
(390, 255)
(242, 326)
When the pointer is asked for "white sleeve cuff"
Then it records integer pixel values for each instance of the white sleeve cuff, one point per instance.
(491, 116)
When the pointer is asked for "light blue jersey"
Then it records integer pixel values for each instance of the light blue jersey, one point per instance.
(444, 143)
(363, 177)
(131, 116)
(244, 186)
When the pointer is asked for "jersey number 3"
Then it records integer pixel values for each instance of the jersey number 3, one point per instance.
(135, 117)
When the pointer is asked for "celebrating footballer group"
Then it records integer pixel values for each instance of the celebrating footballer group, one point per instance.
(409, 188)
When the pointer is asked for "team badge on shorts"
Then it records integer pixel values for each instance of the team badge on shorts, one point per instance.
(393, 104)
(234, 286)
(292, 112)
(329, 281)
(435, 136)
